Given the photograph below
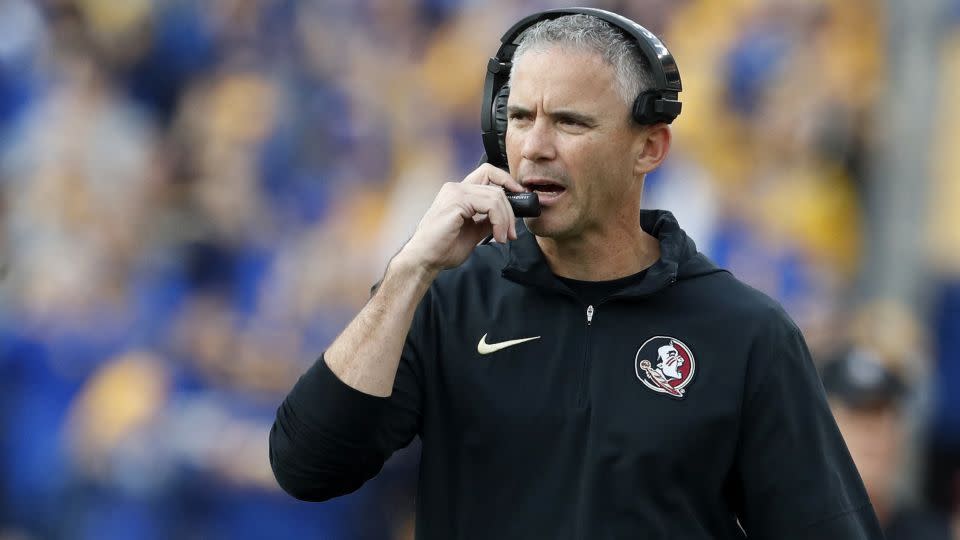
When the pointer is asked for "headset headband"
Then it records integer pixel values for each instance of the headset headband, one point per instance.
(659, 103)
(661, 61)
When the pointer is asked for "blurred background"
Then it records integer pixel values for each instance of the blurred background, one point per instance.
(195, 198)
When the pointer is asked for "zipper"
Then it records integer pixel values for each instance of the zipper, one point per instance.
(582, 384)
(590, 312)
(582, 392)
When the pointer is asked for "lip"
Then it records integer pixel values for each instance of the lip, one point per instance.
(549, 199)
(546, 198)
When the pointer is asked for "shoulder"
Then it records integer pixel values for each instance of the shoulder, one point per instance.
(722, 296)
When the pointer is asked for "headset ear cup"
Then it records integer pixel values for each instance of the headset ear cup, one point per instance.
(643, 108)
(652, 107)
(500, 119)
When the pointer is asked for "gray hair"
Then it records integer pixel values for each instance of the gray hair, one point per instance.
(590, 34)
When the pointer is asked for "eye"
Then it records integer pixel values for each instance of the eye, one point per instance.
(517, 116)
(573, 123)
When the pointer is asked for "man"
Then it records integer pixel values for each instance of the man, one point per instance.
(867, 398)
(518, 362)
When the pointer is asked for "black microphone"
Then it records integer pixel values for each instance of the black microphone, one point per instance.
(524, 204)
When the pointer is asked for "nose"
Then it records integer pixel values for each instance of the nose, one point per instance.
(538, 141)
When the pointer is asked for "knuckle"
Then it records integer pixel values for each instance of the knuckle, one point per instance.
(450, 190)
(498, 197)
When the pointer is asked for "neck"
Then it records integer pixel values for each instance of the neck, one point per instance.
(882, 510)
(619, 250)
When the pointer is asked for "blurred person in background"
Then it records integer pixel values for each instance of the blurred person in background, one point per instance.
(942, 471)
(147, 191)
(868, 399)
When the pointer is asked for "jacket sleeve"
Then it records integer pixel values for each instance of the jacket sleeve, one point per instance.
(796, 477)
(329, 438)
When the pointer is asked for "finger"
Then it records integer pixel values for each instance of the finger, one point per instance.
(472, 201)
(508, 212)
(492, 201)
(508, 223)
(510, 232)
(488, 174)
(503, 179)
(482, 222)
(511, 217)
(477, 230)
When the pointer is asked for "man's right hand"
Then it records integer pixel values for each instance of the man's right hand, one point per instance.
(461, 215)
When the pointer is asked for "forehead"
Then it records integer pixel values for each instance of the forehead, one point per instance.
(563, 77)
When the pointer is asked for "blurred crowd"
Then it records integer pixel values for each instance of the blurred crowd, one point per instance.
(195, 197)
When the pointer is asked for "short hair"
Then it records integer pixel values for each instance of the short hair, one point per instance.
(587, 33)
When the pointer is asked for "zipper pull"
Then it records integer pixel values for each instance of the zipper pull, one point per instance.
(589, 315)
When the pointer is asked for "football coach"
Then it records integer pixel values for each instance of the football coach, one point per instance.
(583, 373)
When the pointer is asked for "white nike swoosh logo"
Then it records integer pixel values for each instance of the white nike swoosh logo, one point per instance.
(486, 348)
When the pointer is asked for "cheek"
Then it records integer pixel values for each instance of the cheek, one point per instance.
(511, 142)
(512, 151)
(597, 156)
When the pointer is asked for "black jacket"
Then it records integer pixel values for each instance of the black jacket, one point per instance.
(686, 407)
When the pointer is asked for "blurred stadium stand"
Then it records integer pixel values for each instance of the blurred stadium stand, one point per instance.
(196, 196)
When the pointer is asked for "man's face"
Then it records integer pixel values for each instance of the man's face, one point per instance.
(670, 362)
(569, 127)
(874, 437)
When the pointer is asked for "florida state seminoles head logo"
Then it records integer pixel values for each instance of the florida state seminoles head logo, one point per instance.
(665, 364)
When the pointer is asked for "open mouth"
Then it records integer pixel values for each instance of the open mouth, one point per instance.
(546, 190)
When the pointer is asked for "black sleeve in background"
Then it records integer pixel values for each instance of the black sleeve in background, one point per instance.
(796, 477)
(329, 438)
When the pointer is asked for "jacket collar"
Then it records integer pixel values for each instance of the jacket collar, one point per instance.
(527, 265)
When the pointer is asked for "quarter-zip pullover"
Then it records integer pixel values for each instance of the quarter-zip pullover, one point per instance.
(682, 406)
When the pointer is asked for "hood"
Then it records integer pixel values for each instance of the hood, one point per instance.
(679, 258)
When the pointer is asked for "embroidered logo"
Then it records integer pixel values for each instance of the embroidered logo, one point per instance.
(665, 365)
(486, 348)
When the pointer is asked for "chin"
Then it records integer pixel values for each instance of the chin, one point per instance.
(543, 228)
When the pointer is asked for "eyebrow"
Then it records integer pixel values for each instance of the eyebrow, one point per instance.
(560, 114)
(515, 109)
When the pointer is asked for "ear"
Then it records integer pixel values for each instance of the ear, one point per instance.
(652, 147)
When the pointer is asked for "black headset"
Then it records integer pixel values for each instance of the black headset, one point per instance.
(658, 104)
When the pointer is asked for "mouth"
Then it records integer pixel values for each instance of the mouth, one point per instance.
(547, 190)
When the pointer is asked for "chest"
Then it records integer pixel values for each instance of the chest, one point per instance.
(646, 378)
